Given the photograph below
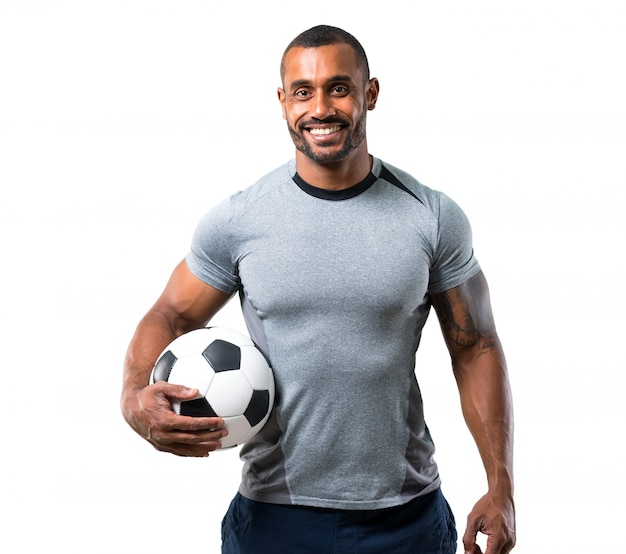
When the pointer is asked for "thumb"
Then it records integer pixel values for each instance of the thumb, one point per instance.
(180, 392)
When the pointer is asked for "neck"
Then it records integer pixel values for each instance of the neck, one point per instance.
(336, 175)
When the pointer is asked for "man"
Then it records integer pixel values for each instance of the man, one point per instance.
(337, 258)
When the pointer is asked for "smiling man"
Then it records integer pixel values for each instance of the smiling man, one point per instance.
(325, 97)
(338, 258)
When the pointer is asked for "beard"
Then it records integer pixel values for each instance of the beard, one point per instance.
(325, 154)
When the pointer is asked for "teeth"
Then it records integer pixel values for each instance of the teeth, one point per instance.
(325, 131)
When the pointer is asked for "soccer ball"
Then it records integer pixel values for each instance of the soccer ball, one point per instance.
(234, 378)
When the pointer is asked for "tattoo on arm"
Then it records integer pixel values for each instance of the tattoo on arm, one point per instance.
(465, 315)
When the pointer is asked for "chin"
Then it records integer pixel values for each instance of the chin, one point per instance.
(326, 155)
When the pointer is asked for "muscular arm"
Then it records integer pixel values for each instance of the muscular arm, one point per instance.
(186, 303)
(480, 370)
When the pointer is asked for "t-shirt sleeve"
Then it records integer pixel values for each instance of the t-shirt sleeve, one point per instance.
(211, 256)
(454, 260)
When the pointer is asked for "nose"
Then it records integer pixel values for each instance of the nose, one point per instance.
(322, 106)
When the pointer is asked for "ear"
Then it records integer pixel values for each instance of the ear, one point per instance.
(371, 93)
(281, 98)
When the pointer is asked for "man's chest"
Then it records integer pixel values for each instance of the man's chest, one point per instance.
(299, 266)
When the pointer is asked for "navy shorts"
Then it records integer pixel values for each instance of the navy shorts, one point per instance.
(424, 525)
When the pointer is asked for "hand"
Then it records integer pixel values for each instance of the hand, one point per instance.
(493, 515)
(149, 413)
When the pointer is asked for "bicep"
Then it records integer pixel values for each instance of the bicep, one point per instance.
(187, 302)
(478, 360)
(465, 316)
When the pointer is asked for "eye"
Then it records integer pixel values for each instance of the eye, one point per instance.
(340, 90)
(302, 94)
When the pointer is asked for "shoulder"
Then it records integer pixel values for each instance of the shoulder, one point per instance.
(271, 185)
(266, 189)
(436, 201)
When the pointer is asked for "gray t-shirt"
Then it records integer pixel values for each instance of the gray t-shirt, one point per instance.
(335, 289)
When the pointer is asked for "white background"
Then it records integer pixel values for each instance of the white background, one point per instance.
(122, 122)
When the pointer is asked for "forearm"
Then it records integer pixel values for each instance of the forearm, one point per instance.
(185, 304)
(488, 410)
(148, 409)
(481, 374)
(153, 333)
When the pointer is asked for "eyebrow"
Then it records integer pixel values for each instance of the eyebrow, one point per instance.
(334, 79)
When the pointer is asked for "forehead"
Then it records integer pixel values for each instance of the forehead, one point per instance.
(321, 64)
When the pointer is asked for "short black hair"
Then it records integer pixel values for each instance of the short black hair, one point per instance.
(323, 35)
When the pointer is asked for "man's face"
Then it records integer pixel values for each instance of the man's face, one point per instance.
(325, 101)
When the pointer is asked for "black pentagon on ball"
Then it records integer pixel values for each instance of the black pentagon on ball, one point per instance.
(258, 407)
(198, 407)
(164, 365)
(223, 355)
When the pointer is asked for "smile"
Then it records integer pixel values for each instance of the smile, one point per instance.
(325, 131)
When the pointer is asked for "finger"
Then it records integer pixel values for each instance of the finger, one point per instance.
(188, 444)
(469, 539)
(179, 392)
(203, 436)
(196, 424)
(500, 545)
(191, 451)
(470, 546)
